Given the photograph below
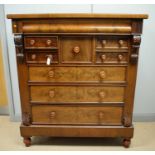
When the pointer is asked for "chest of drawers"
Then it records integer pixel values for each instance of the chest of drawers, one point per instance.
(77, 73)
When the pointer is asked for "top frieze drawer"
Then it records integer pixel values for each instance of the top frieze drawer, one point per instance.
(41, 42)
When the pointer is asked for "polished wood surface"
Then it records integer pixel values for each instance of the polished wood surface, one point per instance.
(84, 115)
(77, 73)
(77, 15)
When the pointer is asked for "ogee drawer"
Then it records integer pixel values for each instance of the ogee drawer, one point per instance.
(85, 115)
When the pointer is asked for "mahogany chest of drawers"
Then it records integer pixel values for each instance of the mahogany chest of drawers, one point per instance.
(77, 73)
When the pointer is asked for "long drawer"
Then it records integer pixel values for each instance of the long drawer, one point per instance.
(66, 94)
(97, 115)
(77, 74)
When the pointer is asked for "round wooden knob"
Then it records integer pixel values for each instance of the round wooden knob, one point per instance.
(103, 57)
(76, 49)
(120, 57)
(51, 93)
(52, 114)
(102, 74)
(51, 74)
(102, 94)
(33, 56)
(101, 114)
(48, 42)
(104, 42)
(121, 42)
(32, 42)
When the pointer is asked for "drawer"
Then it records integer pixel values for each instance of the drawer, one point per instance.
(76, 49)
(40, 42)
(41, 57)
(97, 115)
(76, 94)
(77, 74)
(113, 57)
(112, 43)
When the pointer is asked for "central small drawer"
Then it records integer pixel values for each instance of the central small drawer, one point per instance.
(76, 49)
(76, 94)
(77, 74)
(97, 115)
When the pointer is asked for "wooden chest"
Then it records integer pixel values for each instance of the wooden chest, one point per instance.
(77, 73)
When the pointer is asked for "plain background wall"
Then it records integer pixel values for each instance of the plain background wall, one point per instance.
(144, 108)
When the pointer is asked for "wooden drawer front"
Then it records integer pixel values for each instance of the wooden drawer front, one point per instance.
(113, 57)
(112, 43)
(76, 115)
(40, 42)
(74, 94)
(76, 49)
(77, 74)
(41, 57)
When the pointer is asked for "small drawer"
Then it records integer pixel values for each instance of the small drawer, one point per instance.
(112, 43)
(41, 42)
(84, 115)
(76, 49)
(41, 57)
(78, 74)
(72, 94)
(113, 57)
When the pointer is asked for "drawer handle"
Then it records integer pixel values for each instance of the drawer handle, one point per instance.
(49, 59)
(102, 74)
(48, 42)
(103, 57)
(102, 94)
(52, 114)
(101, 114)
(32, 42)
(33, 56)
(51, 93)
(51, 74)
(104, 42)
(120, 57)
(121, 42)
(76, 49)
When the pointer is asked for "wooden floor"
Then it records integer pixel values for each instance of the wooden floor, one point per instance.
(144, 139)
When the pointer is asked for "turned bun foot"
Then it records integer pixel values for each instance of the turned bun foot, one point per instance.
(126, 142)
(27, 141)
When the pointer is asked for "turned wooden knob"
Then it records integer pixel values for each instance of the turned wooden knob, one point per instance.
(51, 93)
(102, 94)
(51, 74)
(33, 56)
(52, 114)
(120, 57)
(103, 57)
(48, 42)
(104, 42)
(101, 114)
(32, 42)
(102, 74)
(121, 42)
(76, 49)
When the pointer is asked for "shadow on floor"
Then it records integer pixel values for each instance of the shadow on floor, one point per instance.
(76, 141)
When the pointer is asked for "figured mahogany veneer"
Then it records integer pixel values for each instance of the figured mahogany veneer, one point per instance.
(77, 73)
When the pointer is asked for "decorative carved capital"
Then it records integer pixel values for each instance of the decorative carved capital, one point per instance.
(136, 40)
(18, 39)
(26, 118)
(127, 121)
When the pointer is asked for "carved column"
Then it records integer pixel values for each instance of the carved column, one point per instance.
(136, 40)
(18, 39)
